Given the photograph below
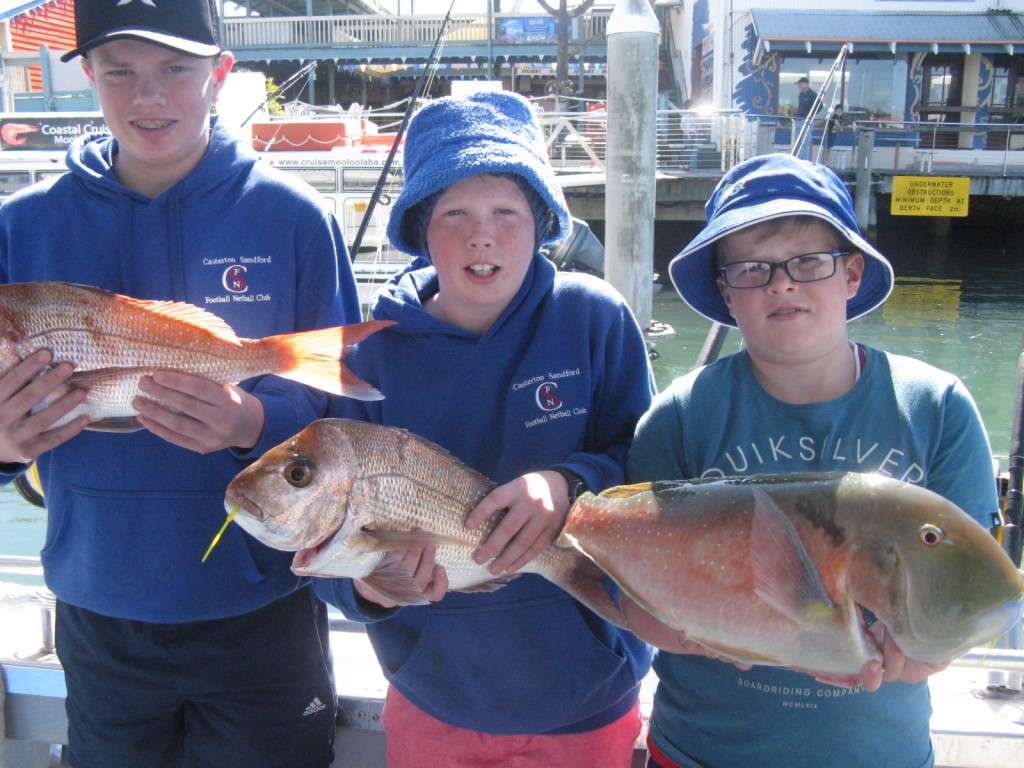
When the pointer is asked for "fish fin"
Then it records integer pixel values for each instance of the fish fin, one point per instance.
(368, 540)
(625, 491)
(116, 424)
(785, 576)
(728, 653)
(392, 580)
(185, 313)
(582, 579)
(489, 586)
(313, 358)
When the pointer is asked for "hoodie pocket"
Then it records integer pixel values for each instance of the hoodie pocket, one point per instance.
(528, 667)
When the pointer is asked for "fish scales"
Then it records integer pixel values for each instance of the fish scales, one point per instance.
(113, 341)
(767, 569)
(773, 569)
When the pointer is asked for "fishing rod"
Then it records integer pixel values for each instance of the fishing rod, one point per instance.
(279, 90)
(1011, 519)
(416, 93)
(716, 336)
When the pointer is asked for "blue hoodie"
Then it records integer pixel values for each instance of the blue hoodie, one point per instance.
(129, 516)
(559, 380)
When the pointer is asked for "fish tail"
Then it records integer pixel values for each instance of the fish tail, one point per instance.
(313, 358)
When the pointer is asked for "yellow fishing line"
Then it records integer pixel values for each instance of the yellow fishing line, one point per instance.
(216, 539)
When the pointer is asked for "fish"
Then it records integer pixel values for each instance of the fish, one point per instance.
(776, 570)
(341, 494)
(115, 340)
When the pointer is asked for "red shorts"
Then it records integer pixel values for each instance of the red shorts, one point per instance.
(415, 739)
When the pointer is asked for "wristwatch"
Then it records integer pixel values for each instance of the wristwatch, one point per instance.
(577, 485)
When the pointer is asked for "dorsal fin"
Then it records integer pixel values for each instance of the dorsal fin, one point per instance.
(186, 313)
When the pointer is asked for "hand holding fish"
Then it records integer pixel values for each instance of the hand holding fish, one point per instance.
(198, 414)
(537, 504)
(25, 434)
(415, 563)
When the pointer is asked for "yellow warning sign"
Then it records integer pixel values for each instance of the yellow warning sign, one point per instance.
(930, 195)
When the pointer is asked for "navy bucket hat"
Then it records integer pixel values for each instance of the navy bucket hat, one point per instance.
(759, 190)
(453, 138)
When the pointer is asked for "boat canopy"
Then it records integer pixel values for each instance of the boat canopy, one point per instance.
(888, 32)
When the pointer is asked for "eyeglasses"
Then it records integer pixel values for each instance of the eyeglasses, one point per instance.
(805, 268)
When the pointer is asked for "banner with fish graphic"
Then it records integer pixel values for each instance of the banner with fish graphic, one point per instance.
(28, 131)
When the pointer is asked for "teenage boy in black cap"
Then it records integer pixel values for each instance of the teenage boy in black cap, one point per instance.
(170, 661)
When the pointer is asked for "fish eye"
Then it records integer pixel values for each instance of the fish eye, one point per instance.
(299, 473)
(931, 535)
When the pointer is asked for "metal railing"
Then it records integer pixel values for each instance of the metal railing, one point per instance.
(367, 31)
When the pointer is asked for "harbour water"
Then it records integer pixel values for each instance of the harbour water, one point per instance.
(958, 304)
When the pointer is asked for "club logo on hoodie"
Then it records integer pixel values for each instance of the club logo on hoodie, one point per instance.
(554, 403)
(234, 279)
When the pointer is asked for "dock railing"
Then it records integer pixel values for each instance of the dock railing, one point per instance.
(371, 30)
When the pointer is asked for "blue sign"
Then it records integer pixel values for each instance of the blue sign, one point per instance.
(526, 29)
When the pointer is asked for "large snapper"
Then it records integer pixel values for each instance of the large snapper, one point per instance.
(774, 569)
(342, 493)
(115, 340)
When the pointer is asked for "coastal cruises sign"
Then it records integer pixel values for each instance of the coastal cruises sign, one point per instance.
(35, 131)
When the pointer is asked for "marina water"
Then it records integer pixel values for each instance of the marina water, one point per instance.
(958, 304)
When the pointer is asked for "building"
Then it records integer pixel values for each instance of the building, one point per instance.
(944, 61)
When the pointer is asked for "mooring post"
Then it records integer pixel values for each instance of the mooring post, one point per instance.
(862, 190)
(630, 186)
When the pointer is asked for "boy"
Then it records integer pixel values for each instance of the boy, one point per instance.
(781, 258)
(536, 379)
(170, 661)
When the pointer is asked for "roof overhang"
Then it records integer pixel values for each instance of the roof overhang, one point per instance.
(811, 32)
(11, 8)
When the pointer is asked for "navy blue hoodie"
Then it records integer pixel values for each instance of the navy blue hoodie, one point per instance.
(560, 379)
(129, 516)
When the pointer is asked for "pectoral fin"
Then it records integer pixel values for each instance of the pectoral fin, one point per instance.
(371, 540)
(785, 576)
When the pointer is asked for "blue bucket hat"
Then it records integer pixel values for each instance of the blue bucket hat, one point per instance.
(453, 138)
(759, 190)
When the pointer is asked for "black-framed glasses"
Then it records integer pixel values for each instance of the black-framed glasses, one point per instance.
(805, 268)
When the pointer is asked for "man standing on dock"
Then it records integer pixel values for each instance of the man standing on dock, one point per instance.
(805, 99)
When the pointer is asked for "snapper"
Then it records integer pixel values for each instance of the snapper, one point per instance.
(115, 340)
(770, 569)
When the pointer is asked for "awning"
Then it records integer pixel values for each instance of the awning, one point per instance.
(884, 31)
(11, 8)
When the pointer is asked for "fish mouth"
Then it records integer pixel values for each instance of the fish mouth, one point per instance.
(304, 558)
(244, 503)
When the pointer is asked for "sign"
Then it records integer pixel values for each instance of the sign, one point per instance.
(24, 131)
(930, 195)
(526, 29)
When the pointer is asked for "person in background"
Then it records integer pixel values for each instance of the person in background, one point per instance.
(170, 661)
(805, 98)
(782, 259)
(536, 379)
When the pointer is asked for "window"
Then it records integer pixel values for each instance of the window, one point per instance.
(943, 76)
(365, 179)
(320, 179)
(12, 181)
(873, 89)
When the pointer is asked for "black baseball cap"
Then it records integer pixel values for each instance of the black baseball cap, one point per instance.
(189, 26)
